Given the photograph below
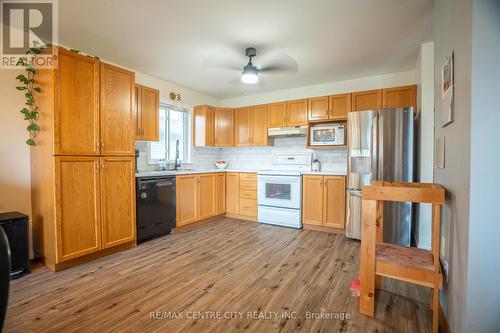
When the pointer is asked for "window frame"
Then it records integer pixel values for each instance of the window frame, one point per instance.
(187, 149)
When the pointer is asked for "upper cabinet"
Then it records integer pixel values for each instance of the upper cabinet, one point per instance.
(296, 112)
(242, 126)
(317, 108)
(396, 97)
(258, 126)
(147, 106)
(203, 126)
(250, 126)
(367, 100)
(93, 107)
(339, 106)
(329, 107)
(276, 114)
(224, 125)
(400, 97)
(76, 118)
(117, 116)
(290, 113)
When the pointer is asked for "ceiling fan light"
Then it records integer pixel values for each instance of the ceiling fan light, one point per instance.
(250, 78)
(250, 74)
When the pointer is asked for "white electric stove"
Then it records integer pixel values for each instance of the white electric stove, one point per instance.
(279, 190)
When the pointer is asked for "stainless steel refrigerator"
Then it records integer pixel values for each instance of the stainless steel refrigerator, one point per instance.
(380, 147)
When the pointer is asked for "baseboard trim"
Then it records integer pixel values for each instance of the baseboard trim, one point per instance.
(89, 257)
(323, 229)
(194, 224)
(444, 326)
(242, 217)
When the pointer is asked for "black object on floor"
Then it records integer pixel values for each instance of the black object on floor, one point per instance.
(4, 275)
(15, 226)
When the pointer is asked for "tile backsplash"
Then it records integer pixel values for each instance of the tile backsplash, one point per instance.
(252, 158)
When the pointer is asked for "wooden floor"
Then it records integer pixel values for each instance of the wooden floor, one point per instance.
(230, 267)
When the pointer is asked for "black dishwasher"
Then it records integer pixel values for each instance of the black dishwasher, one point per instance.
(155, 206)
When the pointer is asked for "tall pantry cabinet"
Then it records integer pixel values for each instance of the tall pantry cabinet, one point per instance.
(82, 169)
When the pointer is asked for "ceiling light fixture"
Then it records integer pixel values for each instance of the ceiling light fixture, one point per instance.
(250, 73)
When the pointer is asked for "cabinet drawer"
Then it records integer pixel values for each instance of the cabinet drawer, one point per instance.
(248, 207)
(252, 177)
(248, 194)
(248, 185)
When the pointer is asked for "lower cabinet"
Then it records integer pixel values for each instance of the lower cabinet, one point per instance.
(232, 192)
(323, 201)
(241, 194)
(248, 195)
(220, 193)
(117, 200)
(199, 196)
(95, 204)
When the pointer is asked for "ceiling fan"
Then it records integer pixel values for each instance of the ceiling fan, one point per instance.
(271, 62)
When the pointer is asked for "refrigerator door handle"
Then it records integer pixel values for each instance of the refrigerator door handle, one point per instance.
(375, 146)
(380, 151)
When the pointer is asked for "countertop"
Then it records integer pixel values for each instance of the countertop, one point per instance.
(195, 171)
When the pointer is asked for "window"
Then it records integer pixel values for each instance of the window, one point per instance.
(174, 125)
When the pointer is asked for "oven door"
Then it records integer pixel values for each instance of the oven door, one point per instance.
(279, 191)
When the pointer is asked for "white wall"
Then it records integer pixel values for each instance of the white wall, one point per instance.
(483, 295)
(452, 32)
(425, 102)
(338, 87)
(15, 182)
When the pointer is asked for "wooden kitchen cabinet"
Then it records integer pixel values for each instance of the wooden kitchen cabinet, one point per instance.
(334, 201)
(82, 170)
(232, 192)
(323, 201)
(224, 127)
(400, 97)
(117, 116)
(220, 193)
(277, 114)
(339, 106)
(147, 108)
(117, 185)
(366, 100)
(258, 126)
(296, 112)
(77, 206)
(76, 124)
(186, 199)
(203, 126)
(206, 196)
(242, 126)
(312, 200)
(247, 205)
(317, 108)
(198, 197)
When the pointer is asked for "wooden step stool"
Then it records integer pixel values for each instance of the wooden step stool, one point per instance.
(398, 262)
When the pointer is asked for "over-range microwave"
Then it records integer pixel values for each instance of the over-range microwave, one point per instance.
(327, 135)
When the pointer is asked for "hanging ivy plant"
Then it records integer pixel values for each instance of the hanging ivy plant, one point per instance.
(29, 87)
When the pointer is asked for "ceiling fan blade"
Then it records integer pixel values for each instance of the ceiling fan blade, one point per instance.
(278, 62)
(224, 59)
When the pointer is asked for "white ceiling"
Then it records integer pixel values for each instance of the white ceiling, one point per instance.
(330, 40)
